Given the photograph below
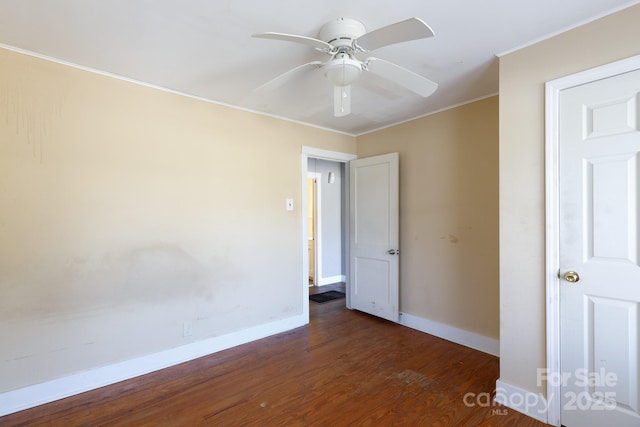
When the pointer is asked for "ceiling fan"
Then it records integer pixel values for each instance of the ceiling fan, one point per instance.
(344, 40)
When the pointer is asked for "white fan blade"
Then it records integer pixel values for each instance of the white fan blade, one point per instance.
(405, 78)
(309, 41)
(341, 101)
(288, 76)
(403, 31)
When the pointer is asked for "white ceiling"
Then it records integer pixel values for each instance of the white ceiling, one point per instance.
(204, 48)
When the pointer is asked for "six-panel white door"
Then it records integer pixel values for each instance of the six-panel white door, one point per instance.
(599, 154)
(374, 236)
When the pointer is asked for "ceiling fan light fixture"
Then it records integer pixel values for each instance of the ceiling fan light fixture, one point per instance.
(342, 71)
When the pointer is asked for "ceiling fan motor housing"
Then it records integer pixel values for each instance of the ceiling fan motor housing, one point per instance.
(342, 31)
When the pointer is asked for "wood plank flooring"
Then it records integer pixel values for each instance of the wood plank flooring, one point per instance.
(345, 369)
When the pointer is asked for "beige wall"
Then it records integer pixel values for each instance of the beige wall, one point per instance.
(522, 222)
(448, 214)
(125, 210)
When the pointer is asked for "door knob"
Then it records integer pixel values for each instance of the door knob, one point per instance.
(391, 251)
(571, 277)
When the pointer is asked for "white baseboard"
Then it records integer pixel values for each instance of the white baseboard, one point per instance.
(531, 404)
(449, 333)
(331, 280)
(38, 394)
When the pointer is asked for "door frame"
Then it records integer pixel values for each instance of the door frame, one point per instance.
(317, 225)
(333, 156)
(552, 215)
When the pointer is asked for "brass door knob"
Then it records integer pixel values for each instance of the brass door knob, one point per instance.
(571, 277)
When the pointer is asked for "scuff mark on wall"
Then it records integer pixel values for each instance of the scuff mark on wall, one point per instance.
(452, 238)
(26, 356)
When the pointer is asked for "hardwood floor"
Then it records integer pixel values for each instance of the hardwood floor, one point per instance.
(345, 368)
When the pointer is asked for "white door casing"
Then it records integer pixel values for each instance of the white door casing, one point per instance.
(598, 239)
(315, 227)
(374, 235)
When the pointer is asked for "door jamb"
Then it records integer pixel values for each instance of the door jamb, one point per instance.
(317, 224)
(552, 211)
(334, 156)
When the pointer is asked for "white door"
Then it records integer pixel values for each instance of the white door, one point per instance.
(599, 155)
(373, 235)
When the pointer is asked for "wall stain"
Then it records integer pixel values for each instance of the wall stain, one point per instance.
(152, 274)
(31, 108)
(162, 271)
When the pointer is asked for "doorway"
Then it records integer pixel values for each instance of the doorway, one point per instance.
(329, 264)
(325, 218)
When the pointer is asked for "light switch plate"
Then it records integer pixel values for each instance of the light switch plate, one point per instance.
(289, 204)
